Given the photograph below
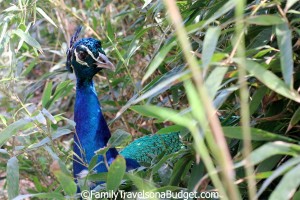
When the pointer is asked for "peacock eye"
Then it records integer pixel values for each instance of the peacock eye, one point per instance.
(82, 55)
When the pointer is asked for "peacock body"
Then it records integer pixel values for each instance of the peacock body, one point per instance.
(86, 58)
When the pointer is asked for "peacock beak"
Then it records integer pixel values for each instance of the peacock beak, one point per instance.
(103, 62)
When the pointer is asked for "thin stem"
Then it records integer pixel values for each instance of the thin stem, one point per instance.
(244, 97)
(223, 157)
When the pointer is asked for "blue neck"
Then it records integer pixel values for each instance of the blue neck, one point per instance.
(91, 128)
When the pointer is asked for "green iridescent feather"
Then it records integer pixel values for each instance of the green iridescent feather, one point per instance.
(146, 148)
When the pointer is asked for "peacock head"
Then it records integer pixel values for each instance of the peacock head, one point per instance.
(86, 57)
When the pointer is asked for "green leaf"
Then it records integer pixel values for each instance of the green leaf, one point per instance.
(12, 171)
(212, 83)
(209, 45)
(119, 138)
(288, 185)
(47, 114)
(45, 16)
(270, 80)
(171, 129)
(256, 134)
(265, 20)
(257, 98)
(115, 174)
(63, 176)
(12, 129)
(109, 28)
(141, 184)
(284, 39)
(220, 12)
(158, 59)
(179, 169)
(28, 39)
(62, 89)
(93, 162)
(196, 107)
(295, 119)
(52, 195)
(278, 172)
(164, 114)
(98, 177)
(59, 133)
(270, 149)
(47, 94)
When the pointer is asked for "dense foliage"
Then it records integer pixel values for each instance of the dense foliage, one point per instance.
(174, 71)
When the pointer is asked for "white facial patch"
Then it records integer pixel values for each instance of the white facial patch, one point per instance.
(99, 59)
(78, 60)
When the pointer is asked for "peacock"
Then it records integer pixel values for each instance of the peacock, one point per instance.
(86, 58)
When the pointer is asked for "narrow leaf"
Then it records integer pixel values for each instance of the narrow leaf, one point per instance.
(270, 80)
(119, 138)
(158, 59)
(257, 98)
(164, 114)
(171, 129)
(270, 149)
(256, 134)
(289, 4)
(209, 45)
(212, 83)
(295, 119)
(284, 39)
(45, 16)
(288, 185)
(65, 179)
(47, 94)
(12, 171)
(52, 195)
(115, 174)
(278, 172)
(59, 133)
(265, 20)
(12, 129)
(28, 39)
(141, 184)
(224, 9)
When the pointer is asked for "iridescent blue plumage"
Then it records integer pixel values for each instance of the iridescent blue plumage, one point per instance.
(86, 58)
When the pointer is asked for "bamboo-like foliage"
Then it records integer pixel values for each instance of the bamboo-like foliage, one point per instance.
(225, 74)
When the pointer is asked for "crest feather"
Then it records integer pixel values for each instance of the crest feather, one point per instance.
(70, 49)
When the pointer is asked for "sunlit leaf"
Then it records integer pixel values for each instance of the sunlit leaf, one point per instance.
(256, 134)
(115, 174)
(47, 93)
(52, 195)
(158, 59)
(65, 179)
(284, 38)
(45, 16)
(212, 83)
(270, 80)
(164, 114)
(265, 20)
(12, 129)
(28, 39)
(12, 171)
(278, 172)
(209, 45)
(288, 185)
